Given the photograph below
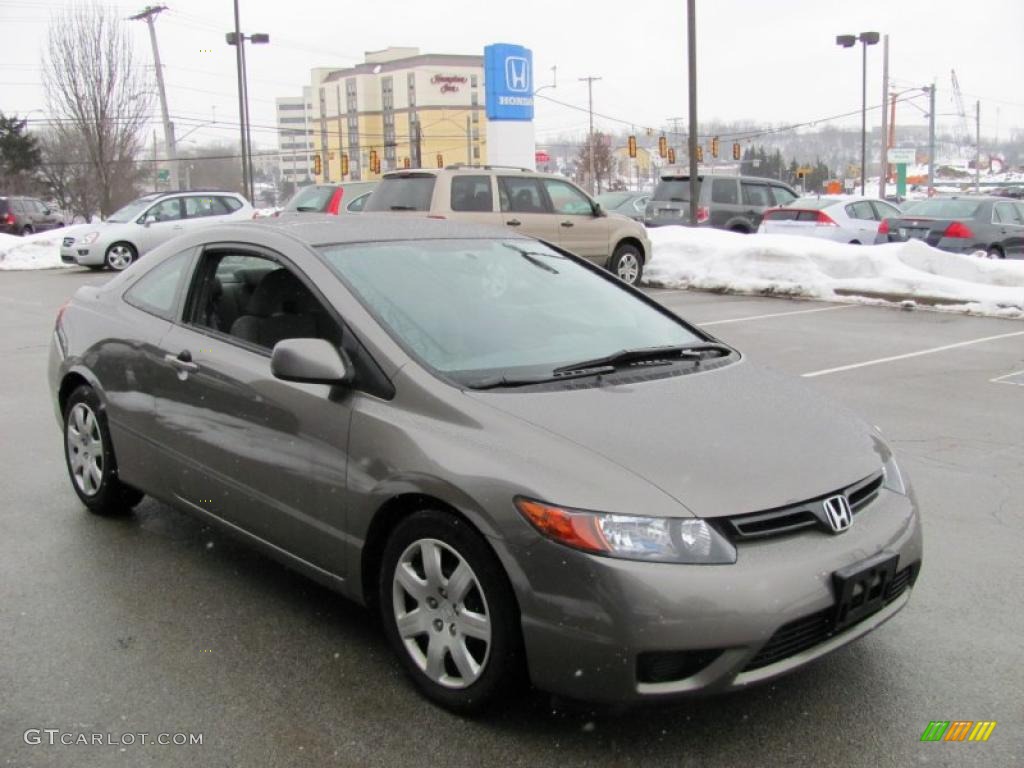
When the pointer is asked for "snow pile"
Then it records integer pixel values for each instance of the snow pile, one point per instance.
(38, 251)
(787, 265)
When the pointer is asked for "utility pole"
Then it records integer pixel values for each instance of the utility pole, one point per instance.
(691, 50)
(931, 139)
(883, 173)
(469, 152)
(240, 65)
(977, 148)
(590, 154)
(149, 15)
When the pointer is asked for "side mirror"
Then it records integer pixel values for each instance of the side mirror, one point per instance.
(599, 211)
(310, 361)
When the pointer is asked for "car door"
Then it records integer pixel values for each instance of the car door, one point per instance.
(161, 222)
(757, 196)
(579, 229)
(726, 210)
(1009, 228)
(264, 455)
(525, 208)
(472, 198)
(203, 210)
(862, 224)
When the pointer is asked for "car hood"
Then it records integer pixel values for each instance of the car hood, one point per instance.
(734, 440)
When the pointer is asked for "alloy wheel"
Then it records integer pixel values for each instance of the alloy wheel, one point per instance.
(119, 257)
(85, 449)
(441, 613)
(628, 268)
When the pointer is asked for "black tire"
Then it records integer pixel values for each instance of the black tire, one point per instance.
(740, 230)
(120, 256)
(995, 252)
(26, 231)
(96, 267)
(501, 664)
(109, 496)
(855, 242)
(627, 263)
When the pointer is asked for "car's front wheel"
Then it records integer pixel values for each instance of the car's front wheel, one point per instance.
(628, 264)
(995, 252)
(449, 611)
(90, 456)
(120, 256)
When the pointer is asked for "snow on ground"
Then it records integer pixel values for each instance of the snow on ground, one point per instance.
(38, 251)
(788, 265)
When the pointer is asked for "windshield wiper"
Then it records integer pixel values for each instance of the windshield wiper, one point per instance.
(524, 381)
(530, 256)
(667, 354)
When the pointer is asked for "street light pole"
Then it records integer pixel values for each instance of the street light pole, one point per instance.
(240, 66)
(590, 154)
(691, 48)
(848, 41)
(883, 175)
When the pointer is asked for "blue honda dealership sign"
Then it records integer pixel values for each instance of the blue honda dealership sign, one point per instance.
(508, 75)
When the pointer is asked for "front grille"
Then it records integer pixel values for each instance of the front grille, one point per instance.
(68, 242)
(809, 631)
(807, 514)
(670, 666)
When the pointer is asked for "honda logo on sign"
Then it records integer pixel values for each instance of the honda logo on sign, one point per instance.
(517, 74)
(838, 513)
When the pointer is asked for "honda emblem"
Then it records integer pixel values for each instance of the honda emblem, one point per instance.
(517, 74)
(838, 513)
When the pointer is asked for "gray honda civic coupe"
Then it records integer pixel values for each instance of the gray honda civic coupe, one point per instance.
(532, 471)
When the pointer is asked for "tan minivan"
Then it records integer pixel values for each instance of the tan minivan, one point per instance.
(541, 205)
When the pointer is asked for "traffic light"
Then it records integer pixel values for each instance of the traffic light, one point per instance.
(700, 153)
(662, 146)
(714, 147)
(440, 160)
(318, 165)
(736, 152)
(374, 162)
(344, 164)
(671, 155)
(632, 146)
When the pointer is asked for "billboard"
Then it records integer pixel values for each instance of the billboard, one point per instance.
(508, 77)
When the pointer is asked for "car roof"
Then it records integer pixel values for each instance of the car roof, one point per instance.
(321, 229)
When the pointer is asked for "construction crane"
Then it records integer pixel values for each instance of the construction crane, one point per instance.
(963, 132)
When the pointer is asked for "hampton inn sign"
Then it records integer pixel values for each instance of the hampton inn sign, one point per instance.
(448, 83)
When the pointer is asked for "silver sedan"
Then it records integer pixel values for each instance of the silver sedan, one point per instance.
(841, 218)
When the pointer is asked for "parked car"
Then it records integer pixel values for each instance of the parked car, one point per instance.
(631, 204)
(25, 215)
(734, 203)
(992, 225)
(334, 199)
(541, 205)
(151, 220)
(530, 469)
(843, 218)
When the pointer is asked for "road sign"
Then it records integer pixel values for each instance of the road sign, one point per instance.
(897, 155)
(163, 175)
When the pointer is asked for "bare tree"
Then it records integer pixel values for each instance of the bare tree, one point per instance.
(65, 170)
(98, 98)
(602, 159)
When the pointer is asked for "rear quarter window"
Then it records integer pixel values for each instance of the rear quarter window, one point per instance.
(411, 192)
(157, 291)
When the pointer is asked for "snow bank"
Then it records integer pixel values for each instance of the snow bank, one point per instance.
(38, 251)
(787, 265)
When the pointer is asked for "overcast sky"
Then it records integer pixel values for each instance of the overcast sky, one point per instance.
(772, 61)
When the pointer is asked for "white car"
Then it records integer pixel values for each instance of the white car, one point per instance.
(842, 218)
(148, 222)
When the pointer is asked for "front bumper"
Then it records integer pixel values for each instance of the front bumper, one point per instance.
(85, 255)
(585, 632)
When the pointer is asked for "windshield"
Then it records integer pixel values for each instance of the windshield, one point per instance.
(311, 199)
(673, 190)
(942, 209)
(131, 211)
(410, 192)
(473, 308)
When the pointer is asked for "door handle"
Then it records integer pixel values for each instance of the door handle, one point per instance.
(182, 361)
(513, 222)
(567, 224)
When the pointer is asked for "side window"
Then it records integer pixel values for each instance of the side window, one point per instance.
(166, 210)
(157, 291)
(783, 196)
(1005, 213)
(1020, 211)
(566, 199)
(757, 195)
(358, 203)
(198, 207)
(884, 210)
(256, 300)
(231, 204)
(640, 204)
(521, 195)
(860, 210)
(472, 193)
(724, 191)
(17, 205)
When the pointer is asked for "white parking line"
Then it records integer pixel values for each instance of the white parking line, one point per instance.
(779, 314)
(931, 351)
(1000, 379)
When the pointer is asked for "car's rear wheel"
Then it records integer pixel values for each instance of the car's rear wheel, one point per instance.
(25, 231)
(90, 456)
(120, 256)
(628, 264)
(449, 611)
(995, 252)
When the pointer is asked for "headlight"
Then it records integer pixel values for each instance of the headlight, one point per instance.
(89, 237)
(893, 477)
(658, 539)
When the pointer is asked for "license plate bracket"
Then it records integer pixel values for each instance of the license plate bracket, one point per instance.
(860, 588)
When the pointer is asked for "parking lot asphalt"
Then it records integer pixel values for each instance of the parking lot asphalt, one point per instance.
(155, 623)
